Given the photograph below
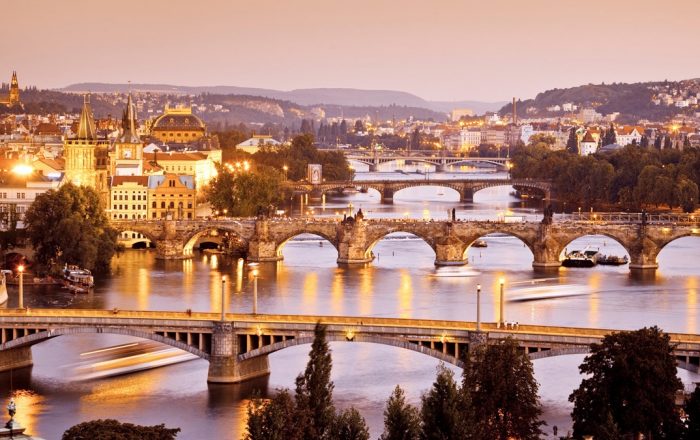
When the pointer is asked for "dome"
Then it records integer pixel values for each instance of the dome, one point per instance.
(178, 119)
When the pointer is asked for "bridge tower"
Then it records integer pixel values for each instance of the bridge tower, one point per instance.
(263, 247)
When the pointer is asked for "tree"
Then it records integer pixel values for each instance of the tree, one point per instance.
(644, 143)
(442, 409)
(692, 412)
(359, 126)
(572, 142)
(244, 193)
(610, 137)
(314, 390)
(109, 429)
(668, 142)
(401, 420)
(274, 419)
(349, 425)
(500, 383)
(686, 194)
(629, 389)
(69, 226)
(415, 140)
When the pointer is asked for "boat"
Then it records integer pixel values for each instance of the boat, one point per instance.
(455, 272)
(542, 292)
(77, 280)
(480, 243)
(585, 258)
(213, 251)
(127, 358)
(613, 260)
(3, 286)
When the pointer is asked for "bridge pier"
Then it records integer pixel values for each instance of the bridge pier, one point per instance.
(316, 195)
(171, 249)
(388, 195)
(450, 251)
(263, 247)
(224, 365)
(16, 358)
(466, 195)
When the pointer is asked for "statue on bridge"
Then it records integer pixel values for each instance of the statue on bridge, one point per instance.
(548, 215)
(12, 410)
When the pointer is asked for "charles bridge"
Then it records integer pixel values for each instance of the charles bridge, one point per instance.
(387, 188)
(441, 160)
(262, 239)
(237, 346)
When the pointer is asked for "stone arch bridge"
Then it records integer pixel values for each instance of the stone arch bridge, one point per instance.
(262, 239)
(387, 188)
(440, 160)
(237, 348)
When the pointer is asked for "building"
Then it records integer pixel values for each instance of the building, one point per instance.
(17, 192)
(627, 135)
(588, 145)
(200, 164)
(128, 198)
(127, 158)
(13, 96)
(458, 113)
(171, 196)
(86, 157)
(253, 144)
(178, 125)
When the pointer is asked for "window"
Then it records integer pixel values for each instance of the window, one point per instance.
(162, 205)
(154, 205)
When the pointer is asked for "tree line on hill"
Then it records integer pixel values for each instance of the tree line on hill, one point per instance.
(631, 178)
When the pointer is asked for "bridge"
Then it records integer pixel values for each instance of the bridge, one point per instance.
(238, 347)
(441, 160)
(387, 188)
(262, 239)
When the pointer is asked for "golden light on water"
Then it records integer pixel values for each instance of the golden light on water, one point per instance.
(595, 282)
(405, 294)
(692, 305)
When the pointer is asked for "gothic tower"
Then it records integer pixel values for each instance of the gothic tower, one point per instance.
(86, 156)
(14, 90)
(128, 150)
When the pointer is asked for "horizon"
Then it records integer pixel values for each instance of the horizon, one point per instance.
(452, 51)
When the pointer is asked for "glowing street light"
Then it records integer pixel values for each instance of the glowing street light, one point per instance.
(23, 169)
(501, 319)
(254, 272)
(478, 307)
(285, 168)
(20, 269)
(223, 308)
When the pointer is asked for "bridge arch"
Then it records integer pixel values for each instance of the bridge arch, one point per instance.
(358, 338)
(564, 244)
(430, 183)
(308, 229)
(374, 239)
(45, 335)
(469, 240)
(145, 231)
(223, 233)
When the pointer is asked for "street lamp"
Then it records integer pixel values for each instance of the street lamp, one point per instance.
(255, 291)
(501, 320)
(478, 307)
(579, 213)
(20, 269)
(285, 168)
(223, 308)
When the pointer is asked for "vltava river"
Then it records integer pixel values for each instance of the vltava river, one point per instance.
(401, 282)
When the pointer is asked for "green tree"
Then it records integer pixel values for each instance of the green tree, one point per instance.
(110, 429)
(644, 143)
(499, 381)
(610, 137)
(349, 425)
(415, 143)
(314, 390)
(275, 419)
(244, 193)
(629, 389)
(442, 409)
(401, 420)
(572, 142)
(692, 413)
(686, 194)
(69, 226)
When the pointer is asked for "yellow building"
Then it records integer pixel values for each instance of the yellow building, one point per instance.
(129, 198)
(171, 196)
(200, 164)
(178, 125)
(86, 157)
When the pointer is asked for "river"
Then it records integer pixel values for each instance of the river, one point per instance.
(401, 282)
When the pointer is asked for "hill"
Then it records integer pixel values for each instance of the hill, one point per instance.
(309, 97)
(645, 100)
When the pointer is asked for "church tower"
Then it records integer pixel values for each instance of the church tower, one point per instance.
(128, 150)
(87, 156)
(14, 90)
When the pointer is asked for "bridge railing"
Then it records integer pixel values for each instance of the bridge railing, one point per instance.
(627, 217)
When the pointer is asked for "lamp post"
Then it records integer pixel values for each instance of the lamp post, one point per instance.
(223, 308)
(285, 168)
(255, 291)
(478, 307)
(20, 269)
(501, 320)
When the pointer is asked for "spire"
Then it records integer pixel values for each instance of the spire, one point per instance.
(129, 124)
(86, 125)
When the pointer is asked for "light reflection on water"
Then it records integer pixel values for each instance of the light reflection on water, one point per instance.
(400, 282)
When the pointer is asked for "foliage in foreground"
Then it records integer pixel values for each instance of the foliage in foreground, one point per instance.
(630, 388)
(69, 226)
(110, 429)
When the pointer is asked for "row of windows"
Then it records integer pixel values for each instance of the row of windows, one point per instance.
(3, 195)
(133, 207)
(127, 235)
(170, 205)
(133, 197)
(163, 214)
(126, 217)
(173, 195)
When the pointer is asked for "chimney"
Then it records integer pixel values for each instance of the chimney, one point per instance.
(515, 112)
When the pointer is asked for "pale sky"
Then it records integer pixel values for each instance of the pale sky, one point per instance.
(440, 50)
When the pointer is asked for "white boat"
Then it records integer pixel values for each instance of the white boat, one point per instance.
(3, 286)
(451, 272)
(547, 292)
(78, 279)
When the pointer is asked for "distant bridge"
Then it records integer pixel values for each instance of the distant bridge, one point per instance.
(237, 349)
(262, 239)
(441, 160)
(388, 188)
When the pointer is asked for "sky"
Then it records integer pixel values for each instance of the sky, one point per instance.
(488, 50)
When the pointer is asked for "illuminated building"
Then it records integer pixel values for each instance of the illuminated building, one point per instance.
(171, 196)
(13, 97)
(127, 158)
(200, 164)
(129, 198)
(178, 125)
